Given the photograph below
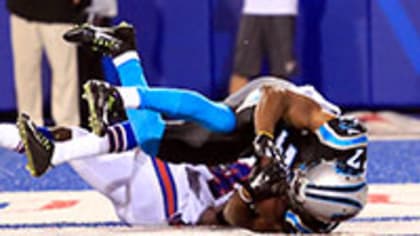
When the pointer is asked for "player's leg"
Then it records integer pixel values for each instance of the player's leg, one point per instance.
(94, 170)
(128, 179)
(143, 190)
(119, 42)
(181, 104)
(129, 68)
(147, 124)
(178, 103)
(42, 152)
(40, 148)
(11, 140)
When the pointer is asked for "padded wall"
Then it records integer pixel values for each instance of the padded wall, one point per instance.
(395, 52)
(358, 52)
(7, 95)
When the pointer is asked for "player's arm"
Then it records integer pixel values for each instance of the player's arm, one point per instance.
(278, 103)
(237, 213)
(266, 216)
(248, 206)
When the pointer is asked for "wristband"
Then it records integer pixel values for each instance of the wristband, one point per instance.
(265, 133)
(245, 199)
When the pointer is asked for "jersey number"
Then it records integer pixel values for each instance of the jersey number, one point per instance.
(355, 161)
(289, 152)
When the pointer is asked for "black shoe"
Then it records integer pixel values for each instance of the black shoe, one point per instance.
(104, 103)
(38, 148)
(106, 40)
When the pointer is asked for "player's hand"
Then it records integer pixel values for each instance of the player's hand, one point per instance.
(264, 146)
(268, 181)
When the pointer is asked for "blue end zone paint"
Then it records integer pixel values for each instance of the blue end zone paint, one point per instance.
(14, 177)
(394, 161)
(388, 162)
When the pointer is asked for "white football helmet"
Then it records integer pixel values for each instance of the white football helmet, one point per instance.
(326, 193)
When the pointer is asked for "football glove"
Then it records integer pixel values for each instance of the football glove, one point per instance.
(264, 146)
(267, 181)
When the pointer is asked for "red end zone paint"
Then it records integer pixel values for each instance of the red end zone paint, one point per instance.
(59, 204)
(378, 198)
(372, 117)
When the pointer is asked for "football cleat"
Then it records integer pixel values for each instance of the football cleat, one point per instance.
(104, 103)
(106, 40)
(38, 148)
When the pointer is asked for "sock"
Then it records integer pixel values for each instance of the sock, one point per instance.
(147, 125)
(130, 96)
(121, 137)
(77, 148)
(130, 70)
(188, 105)
(10, 138)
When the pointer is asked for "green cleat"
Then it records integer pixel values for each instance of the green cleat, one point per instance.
(105, 105)
(106, 40)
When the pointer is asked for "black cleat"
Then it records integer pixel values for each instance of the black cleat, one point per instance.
(106, 40)
(38, 148)
(104, 103)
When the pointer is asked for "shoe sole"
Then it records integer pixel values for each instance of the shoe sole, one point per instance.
(30, 167)
(94, 123)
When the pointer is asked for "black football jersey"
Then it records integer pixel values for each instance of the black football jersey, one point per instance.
(189, 142)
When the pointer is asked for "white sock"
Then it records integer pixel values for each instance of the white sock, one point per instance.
(9, 138)
(78, 148)
(130, 96)
(125, 57)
